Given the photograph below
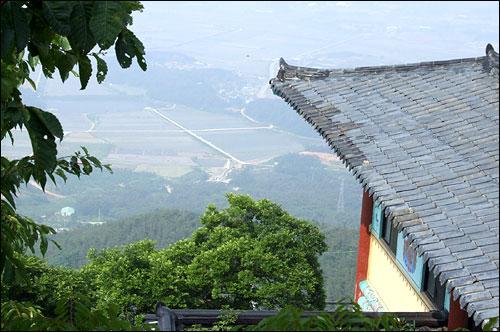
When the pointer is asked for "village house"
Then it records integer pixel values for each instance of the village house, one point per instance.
(423, 140)
(67, 211)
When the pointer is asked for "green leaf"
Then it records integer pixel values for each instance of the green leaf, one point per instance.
(85, 70)
(57, 14)
(139, 50)
(33, 61)
(56, 244)
(61, 174)
(9, 81)
(124, 51)
(33, 85)
(42, 127)
(51, 123)
(131, 6)
(96, 161)
(43, 245)
(64, 62)
(491, 324)
(106, 22)
(80, 26)
(127, 47)
(102, 68)
(7, 34)
(46, 59)
(8, 197)
(87, 168)
(62, 42)
(21, 26)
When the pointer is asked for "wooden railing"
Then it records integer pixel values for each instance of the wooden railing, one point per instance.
(179, 319)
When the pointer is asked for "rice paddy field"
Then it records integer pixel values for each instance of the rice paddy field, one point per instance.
(134, 137)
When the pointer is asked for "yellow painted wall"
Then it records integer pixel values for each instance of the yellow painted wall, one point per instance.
(390, 285)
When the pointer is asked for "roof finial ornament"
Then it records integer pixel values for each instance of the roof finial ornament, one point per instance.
(281, 72)
(492, 57)
(489, 48)
(284, 64)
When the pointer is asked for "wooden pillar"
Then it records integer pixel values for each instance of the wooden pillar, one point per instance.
(364, 242)
(457, 317)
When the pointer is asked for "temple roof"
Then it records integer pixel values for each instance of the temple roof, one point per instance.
(423, 139)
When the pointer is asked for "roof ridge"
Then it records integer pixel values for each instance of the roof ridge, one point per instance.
(290, 71)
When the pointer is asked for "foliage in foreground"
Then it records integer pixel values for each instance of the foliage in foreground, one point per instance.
(56, 35)
(52, 35)
(72, 314)
(343, 319)
(249, 255)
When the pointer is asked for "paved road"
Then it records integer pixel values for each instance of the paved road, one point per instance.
(170, 130)
(34, 184)
(190, 132)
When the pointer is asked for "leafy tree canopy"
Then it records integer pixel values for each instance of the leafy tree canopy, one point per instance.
(62, 35)
(249, 255)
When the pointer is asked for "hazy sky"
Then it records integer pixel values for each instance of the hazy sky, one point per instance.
(247, 36)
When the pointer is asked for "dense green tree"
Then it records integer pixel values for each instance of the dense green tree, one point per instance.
(122, 277)
(249, 255)
(169, 226)
(47, 285)
(56, 35)
(255, 254)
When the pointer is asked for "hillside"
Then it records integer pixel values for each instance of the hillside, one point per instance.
(168, 226)
(304, 186)
(164, 226)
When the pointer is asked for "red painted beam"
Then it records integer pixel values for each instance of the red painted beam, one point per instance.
(364, 242)
(457, 317)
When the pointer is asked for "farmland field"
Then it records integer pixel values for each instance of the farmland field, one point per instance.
(142, 138)
(196, 120)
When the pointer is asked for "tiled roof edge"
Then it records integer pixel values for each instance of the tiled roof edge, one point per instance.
(289, 71)
(397, 214)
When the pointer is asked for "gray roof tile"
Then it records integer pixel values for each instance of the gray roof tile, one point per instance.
(488, 313)
(482, 305)
(486, 241)
(441, 260)
(421, 241)
(487, 275)
(474, 261)
(456, 240)
(453, 274)
(469, 253)
(447, 267)
(473, 297)
(449, 235)
(423, 141)
(462, 247)
(490, 248)
(460, 281)
(473, 288)
(494, 291)
(482, 267)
